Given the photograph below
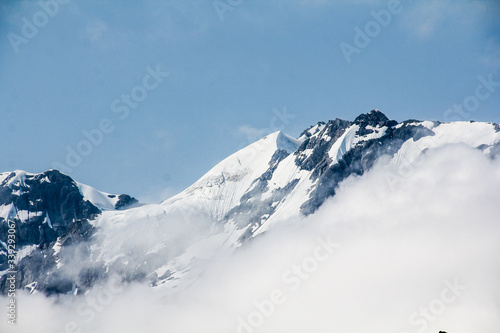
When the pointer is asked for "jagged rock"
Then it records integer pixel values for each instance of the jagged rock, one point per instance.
(126, 201)
(46, 208)
(267, 182)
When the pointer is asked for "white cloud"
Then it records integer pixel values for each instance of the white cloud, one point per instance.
(176, 20)
(99, 34)
(95, 30)
(400, 247)
(491, 55)
(426, 18)
(160, 192)
(251, 133)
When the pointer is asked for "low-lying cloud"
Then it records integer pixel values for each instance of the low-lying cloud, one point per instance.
(418, 255)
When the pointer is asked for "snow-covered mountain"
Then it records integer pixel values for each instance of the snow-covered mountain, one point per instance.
(72, 235)
(279, 177)
(45, 210)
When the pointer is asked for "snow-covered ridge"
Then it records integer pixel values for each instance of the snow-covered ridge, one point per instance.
(102, 200)
(222, 187)
(251, 177)
(17, 182)
(264, 185)
(250, 192)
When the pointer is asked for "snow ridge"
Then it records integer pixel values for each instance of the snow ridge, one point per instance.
(248, 193)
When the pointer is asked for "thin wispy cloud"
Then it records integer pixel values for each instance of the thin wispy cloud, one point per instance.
(177, 20)
(251, 133)
(95, 30)
(491, 54)
(425, 19)
(98, 33)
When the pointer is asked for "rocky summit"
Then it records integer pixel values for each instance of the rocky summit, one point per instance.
(70, 236)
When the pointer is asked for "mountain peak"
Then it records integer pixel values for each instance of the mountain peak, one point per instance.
(314, 129)
(374, 116)
(287, 143)
(262, 185)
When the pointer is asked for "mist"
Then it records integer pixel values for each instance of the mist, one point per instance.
(412, 252)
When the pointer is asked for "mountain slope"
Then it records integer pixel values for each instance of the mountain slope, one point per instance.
(46, 211)
(285, 183)
(221, 188)
(246, 194)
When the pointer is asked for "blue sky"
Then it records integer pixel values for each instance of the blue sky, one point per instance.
(233, 67)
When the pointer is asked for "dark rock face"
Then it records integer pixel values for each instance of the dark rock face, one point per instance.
(362, 157)
(373, 118)
(319, 145)
(495, 150)
(126, 201)
(52, 202)
(40, 269)
(252, 209)
(47, 208)
(307, 132)
(52, 216)
(313, 155)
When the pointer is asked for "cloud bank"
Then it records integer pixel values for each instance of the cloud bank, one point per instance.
(419, 255)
